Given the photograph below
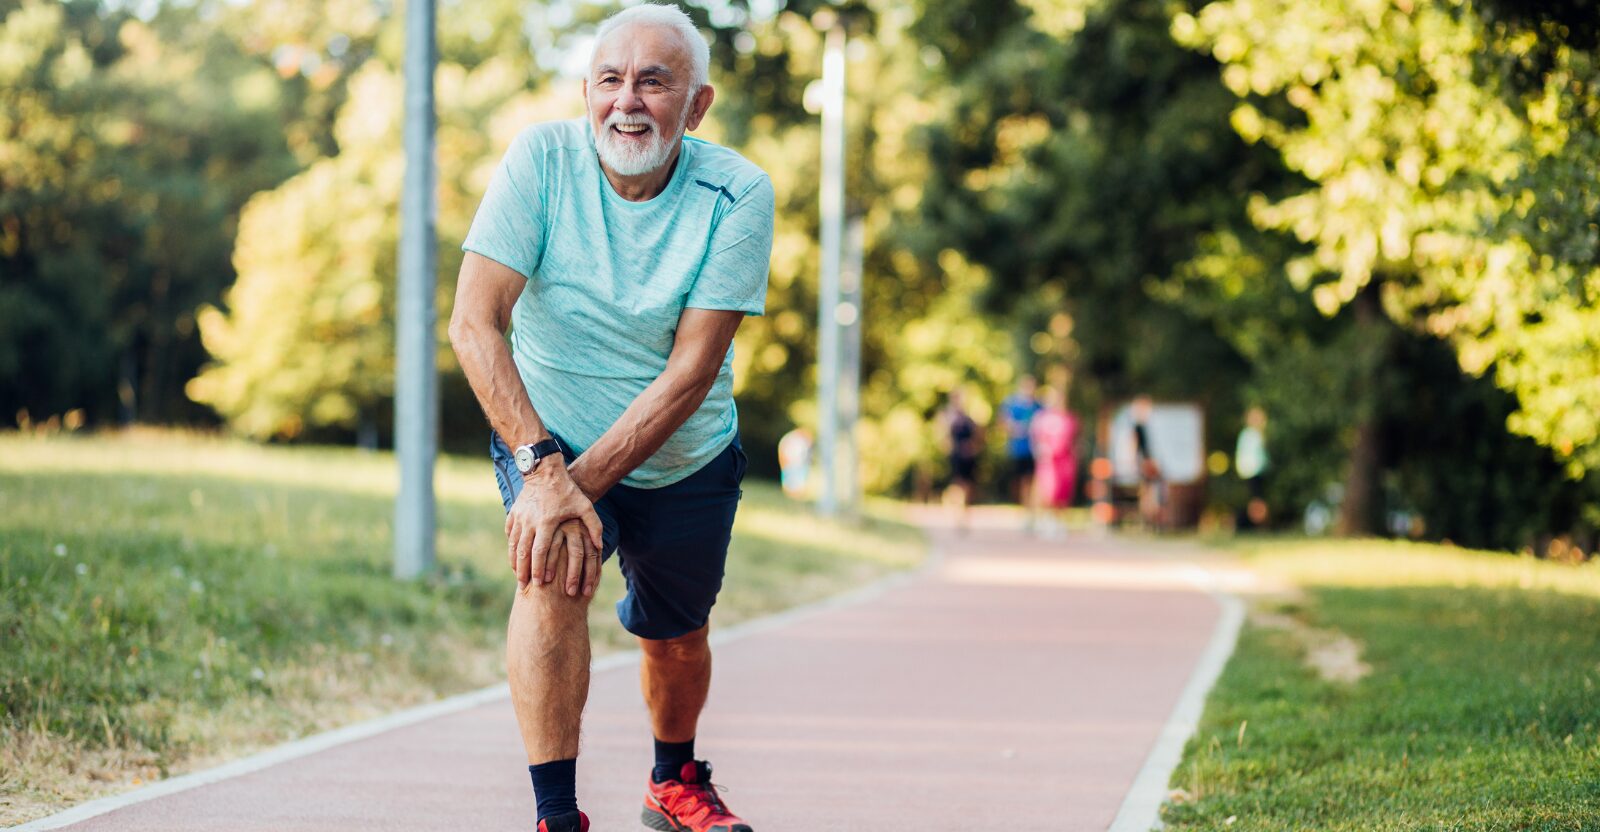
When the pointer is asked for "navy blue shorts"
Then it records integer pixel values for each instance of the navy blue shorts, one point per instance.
(671, 542)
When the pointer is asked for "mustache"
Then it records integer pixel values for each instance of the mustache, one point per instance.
(621, 120)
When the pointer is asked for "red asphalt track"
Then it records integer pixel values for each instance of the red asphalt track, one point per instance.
(1014, 684)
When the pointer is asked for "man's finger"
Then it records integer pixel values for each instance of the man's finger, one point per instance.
(575, 549)
(591, 521)
(591, 570)
(524, 544)
(541, 552)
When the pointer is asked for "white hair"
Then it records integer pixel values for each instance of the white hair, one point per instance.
(672, 17)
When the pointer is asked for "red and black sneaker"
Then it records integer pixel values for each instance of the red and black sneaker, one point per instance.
(689, 804)
(568, 822)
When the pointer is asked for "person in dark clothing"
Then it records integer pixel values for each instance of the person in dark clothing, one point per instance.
(959, 436)
(1152, 486)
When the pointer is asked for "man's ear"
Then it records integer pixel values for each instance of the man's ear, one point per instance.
(586, 93)
(699, 106)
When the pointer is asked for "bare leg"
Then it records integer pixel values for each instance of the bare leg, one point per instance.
(547, 660)
(967, 488)
(1030, 513)
(675, 675)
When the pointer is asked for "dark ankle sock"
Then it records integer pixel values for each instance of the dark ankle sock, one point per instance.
(555, 787)
(670, 757)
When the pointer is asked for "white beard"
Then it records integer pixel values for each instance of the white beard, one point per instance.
(625, 156)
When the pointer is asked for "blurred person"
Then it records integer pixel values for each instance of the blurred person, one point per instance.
(1152, 486)
(958, 436)
(623, 256)
(794, 461)
(1016, 415)
(1250, 460)
(1054, 439)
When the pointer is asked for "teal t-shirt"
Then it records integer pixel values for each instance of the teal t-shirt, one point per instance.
(608, 279)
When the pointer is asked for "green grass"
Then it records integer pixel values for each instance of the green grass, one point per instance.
(167, 600)
(1482, 711)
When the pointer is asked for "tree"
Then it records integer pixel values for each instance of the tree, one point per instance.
(1447, 157)
(1082, 157)
(306, 342)
(126, 149)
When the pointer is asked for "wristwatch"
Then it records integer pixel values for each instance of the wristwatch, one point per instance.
(528, 456)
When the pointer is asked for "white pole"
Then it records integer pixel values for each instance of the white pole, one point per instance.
(848, 316)
(832, 216)
(416, 384)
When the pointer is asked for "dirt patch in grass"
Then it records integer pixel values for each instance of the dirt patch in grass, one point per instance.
(1334, 656)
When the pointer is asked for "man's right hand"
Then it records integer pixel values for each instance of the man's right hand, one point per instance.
(549, 498)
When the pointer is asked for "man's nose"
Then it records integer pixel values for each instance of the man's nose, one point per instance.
(627, 101)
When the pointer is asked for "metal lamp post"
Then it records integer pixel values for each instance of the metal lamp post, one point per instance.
(832, 233)
(416, 406)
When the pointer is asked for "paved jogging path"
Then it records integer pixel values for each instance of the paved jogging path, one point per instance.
(1014, 684)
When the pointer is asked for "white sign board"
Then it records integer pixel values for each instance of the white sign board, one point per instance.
(1176, 435)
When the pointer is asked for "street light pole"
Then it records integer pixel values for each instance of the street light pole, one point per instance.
(416, 384)
(848, 316)
(832, 222)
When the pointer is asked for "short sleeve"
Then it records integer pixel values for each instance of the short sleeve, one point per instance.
(510, 223)
(734, 276)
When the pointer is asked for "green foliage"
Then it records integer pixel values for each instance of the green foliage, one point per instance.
(924, 333)
(1183, 199)
(1108, 178)
(119, 138)
(303, 343)
(1450, 156)
(307, 341)
(1080, 162)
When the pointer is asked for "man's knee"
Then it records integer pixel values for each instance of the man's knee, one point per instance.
(549, 604)
(690, 645)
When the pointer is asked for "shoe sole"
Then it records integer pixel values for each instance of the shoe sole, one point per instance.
(657, 820)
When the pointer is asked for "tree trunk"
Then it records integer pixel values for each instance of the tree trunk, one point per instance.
(1358, 513)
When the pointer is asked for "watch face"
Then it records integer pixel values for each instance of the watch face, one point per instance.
(524, 457)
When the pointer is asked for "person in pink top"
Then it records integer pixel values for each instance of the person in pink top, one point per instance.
(1054, 437)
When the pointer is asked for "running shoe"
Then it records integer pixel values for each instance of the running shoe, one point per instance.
(567, 822)
(689, 804)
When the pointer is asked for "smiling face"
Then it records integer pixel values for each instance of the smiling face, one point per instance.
(642, 97)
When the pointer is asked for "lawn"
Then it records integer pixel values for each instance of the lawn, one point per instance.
(168, 600)
(1481, 710)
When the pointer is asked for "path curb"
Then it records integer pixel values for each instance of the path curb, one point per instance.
(1141, 808)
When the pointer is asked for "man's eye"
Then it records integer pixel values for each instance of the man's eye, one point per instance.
(652, 82)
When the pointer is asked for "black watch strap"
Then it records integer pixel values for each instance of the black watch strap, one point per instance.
(544, 449)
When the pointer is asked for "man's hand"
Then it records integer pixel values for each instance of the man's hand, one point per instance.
(549, 499)
(583, 559)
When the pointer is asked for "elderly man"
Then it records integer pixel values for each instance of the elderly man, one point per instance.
(622, 256)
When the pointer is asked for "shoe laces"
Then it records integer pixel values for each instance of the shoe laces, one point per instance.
(708, 805)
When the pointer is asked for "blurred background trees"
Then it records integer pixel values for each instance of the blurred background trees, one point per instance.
(1376, 219)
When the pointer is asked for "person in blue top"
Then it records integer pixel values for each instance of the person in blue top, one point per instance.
(621, 255)
(1016, 415)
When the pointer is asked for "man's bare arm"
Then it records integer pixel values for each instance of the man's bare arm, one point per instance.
(698, 350)
(485, 294)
